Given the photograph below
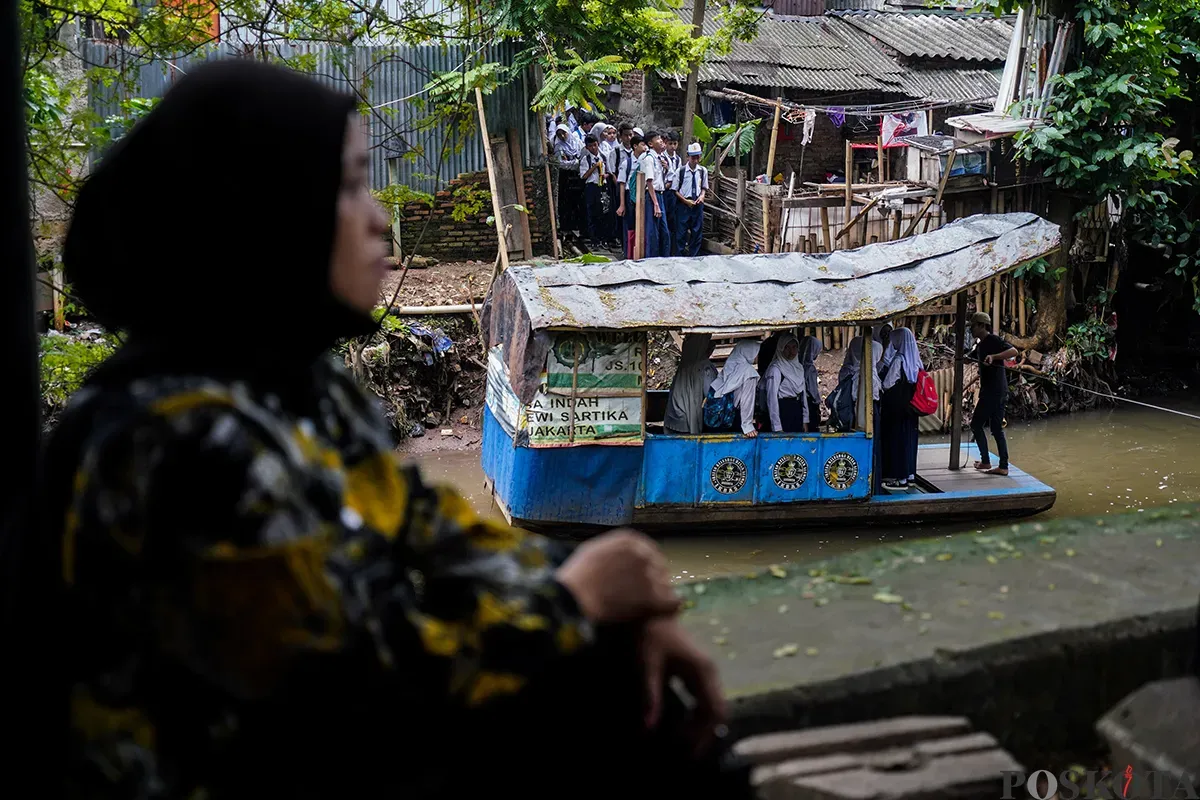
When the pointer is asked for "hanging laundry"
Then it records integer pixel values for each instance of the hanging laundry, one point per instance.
(894, 126)
(837, 115)
(810, 123)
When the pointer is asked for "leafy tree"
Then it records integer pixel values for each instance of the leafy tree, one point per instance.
(1112, 125)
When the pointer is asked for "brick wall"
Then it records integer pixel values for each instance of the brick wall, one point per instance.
(475, 238)
(633, 88)
(666, 102)
(825, 153)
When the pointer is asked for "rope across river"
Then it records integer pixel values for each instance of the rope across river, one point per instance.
(1061, 382)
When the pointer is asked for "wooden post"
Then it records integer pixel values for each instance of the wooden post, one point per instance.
(896, 223)
(56, 294)
(912, 226)
(768, 240)
(639, 238)
(739, 208)
(1020, 306)
(849, 186)
(946, 176)
(879, 155)
(960, 337)
(491, 170)
(550, 198)
(866, 379)
(693, 79)
(518, 168)
(996, 306)
(826, 235)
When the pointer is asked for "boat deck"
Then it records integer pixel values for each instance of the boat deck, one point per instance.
(940, 494)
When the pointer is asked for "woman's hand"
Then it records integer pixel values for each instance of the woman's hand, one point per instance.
(667, 652)
(621, 576)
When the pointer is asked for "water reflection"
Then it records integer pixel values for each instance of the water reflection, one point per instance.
(1100, 462)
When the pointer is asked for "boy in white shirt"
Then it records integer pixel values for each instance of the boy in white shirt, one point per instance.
(591, 171)
(623, 163)
(658, 234)
(691, 185)
(671, 164)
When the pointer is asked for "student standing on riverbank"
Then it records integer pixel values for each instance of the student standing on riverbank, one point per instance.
(691, 186)
(237, 590)
(991, 352)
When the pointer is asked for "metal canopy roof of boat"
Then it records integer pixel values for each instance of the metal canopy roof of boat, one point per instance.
(758, 292)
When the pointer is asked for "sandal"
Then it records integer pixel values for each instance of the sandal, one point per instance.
(998, 471)
(983, 466)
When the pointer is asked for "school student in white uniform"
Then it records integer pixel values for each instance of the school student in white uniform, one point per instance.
(658, 234)
(691, 185)
(591, 172)
(671, 164)
(624, 159)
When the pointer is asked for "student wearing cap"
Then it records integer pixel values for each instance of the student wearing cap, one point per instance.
(691, 184)
(671, 162)
(591, 172)
(991, 352)
(625, 161)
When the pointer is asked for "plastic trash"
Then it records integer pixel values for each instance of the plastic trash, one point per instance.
(441, 342)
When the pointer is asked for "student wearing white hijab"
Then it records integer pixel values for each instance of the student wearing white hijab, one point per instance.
(693, 377)
(810, 348)
(739, 380)
(566, 146)
(786, 400)
(897, 420)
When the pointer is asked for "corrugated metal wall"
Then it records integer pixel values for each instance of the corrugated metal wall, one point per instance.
(393, 76)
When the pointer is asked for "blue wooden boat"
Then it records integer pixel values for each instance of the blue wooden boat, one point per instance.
(573, 439)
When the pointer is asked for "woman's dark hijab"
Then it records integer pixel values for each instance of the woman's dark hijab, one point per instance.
(206, 235)
(209, 227)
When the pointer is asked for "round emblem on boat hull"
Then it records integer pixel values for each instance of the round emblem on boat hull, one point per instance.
(728, 475)
(790, 472)
(841, 471)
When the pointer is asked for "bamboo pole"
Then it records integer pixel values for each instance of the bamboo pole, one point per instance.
(912, 226)
(849, 189)
(491, 170)
(850, 225)
(550, 199)
(826, 235)
(639, 237)
(896, 223)
(768, 240)
(739, 208)
(879, 156)
(866, 379)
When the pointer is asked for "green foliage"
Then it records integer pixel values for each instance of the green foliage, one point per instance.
(575, 83)
(387, 322)
(65, 362)
(733, 140)
(398, 195)
(1040, 268)
(449, 98)
(588, 258)
(1090, 339)
(469, 200)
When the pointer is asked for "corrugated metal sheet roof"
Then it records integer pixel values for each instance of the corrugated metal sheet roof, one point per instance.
(814, 53)
(871, 283)
(967, 37)
(834, 53)
(951, 85)
(395, 76)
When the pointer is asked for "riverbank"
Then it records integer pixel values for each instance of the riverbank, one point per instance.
(1033, 631)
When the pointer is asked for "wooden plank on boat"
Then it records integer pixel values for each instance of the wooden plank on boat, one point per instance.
(901, 759)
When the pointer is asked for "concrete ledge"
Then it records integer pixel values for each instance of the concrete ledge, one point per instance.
(1032, 632)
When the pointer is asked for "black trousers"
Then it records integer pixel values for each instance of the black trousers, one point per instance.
(990, 413)
(594, 216)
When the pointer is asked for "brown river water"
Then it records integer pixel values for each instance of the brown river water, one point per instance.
(1100, 462)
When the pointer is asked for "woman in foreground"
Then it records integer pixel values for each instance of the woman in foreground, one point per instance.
(258, 600)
